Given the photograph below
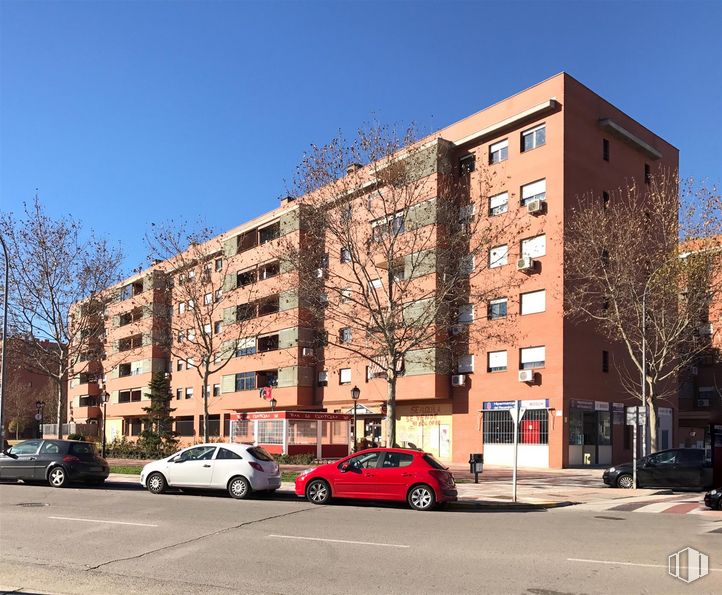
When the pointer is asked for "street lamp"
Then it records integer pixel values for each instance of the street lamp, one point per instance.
(355, 394)
(104, 400)
(6, 291)
(273, 404)
(39, 405)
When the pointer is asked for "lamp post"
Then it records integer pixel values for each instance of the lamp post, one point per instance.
(40, 406)
(3, 349)
(273, 404)
(104, 400)
(355, 394)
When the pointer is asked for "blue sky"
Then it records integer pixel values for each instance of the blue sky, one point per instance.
(126, 113)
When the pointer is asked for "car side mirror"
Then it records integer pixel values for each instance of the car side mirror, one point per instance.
(179, 460)
(9, 453)
(345, 467)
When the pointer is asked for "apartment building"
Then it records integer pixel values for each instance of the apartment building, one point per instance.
(548, 145)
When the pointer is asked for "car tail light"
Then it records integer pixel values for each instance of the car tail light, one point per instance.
(256, 466)
(442, 476)
(70, 459)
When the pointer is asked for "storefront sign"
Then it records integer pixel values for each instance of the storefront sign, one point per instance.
(506, 405)
(601, 406)
(666, 411)
(618, 407)
(583, 405)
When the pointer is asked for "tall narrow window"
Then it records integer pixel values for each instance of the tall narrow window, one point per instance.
(498, 204)
(605, 361)
(467, 164)
(498, 256)
(497, 309)
(647, 173)
(499, 152)
(605, 199)
(605, 149)
(534, 191)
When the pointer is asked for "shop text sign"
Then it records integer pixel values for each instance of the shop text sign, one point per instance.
(505, 405)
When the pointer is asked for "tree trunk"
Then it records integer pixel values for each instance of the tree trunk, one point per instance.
(391, 410)
(205, 406)
(652, 423)
(59, 412)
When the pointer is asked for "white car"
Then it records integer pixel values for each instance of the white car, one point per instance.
(239, 468)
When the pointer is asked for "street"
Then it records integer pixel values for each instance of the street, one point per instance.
(121, 539)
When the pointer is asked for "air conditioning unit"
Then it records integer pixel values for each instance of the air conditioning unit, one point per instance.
(535, 207)
(307, 351)
(458, 380)
(319, 273)
(525, 263)
(526, 375)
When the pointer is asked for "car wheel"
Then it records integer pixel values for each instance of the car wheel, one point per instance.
(239, 488)
(421, 497)
(156, 483)
(57, 477)
(318, 492)
(625, 481)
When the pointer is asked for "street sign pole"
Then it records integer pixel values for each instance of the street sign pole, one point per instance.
(634, 448)
(516, 414)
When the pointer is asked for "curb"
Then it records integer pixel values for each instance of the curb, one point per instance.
(521, 506)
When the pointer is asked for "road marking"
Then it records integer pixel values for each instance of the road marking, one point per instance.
(67, 518)
(611, 562)
(341, 541)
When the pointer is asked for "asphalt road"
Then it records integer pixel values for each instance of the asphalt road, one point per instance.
(119, 539)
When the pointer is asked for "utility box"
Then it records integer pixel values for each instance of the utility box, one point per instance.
(476, 465)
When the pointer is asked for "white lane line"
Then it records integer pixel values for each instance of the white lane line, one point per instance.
(341, 541)
(67, 518)
(611, 562)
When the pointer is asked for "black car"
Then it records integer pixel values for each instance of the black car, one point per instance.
(685, 468)
(56, 461)
(713, 499)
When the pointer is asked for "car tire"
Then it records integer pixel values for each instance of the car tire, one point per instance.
(421, 497)
(239, 488)
(156, 483)
(625, 481)
(318, 492)
(57, 477)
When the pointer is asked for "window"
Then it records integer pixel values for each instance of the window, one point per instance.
(178, 393)
(534, 191)
(398, 272)
(647, 173)
(345, 254)
(191, 304)
(467, 164)
(605, 199)
(496, 361)
(498, 256)
(207, 329)
(217, 295)
(216, 390)
(245, 381)
(465, 365)
(181, 307)
(124, 370)
(605, 149)
(245, 312)
(706, 396)
(531, 139)
(467, 212)
(531, 358)
(534, 247)
(208, 299)
(344, 376)
(466, 314)
(224, 453)
(268, 343)
(497, 309)
(345, 335)
(467, 264)
(184, 425)
(498, 427)
(499, 204)
(269, 233)
(246, 346)
(397, 459)
(392, 225)
(605, 361)
(244, 278)
(214, 424)
(30, 447)
(191, 334)
(269, 305)
(367, 460)
(219, 265)
(375, 284)
(217, 327)
(269, 270)
(178, 365)
(499, 152)
(345, 295)
(189, 393)
(190, 363)
(533, 302)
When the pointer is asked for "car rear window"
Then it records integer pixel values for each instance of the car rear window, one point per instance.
(82, 448)
(260, 454)
(433, 462)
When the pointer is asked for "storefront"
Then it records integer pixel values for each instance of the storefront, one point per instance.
(427, 427)
(533, 436)
(590, 431)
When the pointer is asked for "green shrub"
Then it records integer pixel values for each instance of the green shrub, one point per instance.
(299, 459)
(75, 437)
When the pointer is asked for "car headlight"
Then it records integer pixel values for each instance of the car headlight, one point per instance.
(611, 470)
(306, 472)
(714, 492)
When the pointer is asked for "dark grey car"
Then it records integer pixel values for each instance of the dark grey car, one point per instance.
(56, 461)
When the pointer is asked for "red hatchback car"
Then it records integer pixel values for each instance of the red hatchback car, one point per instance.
(396, 474)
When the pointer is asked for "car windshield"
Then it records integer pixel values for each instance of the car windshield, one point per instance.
(433, 462)
(260, 454)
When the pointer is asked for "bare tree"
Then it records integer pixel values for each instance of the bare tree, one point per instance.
(195, 327)
(391, 254)
(643, 267)
(56, 275)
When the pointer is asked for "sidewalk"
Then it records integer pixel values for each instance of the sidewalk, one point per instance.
(535, 488)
